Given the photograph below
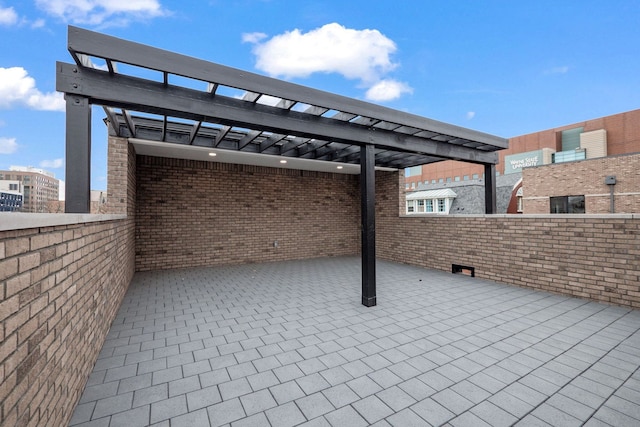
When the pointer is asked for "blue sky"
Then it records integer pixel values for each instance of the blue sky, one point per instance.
(503, 67)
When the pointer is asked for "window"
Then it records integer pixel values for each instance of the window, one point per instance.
(456, 179)
(465, 178)
(570, 139)
(420, 205)
(433, 181)
(440, 180)
(414, 171)
(567, 204)
(410, 206)
(13, 187)
(520, 204)
(476, 176)
(442, 205)
(429, 205)
(449, 179)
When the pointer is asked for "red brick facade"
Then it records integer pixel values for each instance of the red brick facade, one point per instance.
(623, 137)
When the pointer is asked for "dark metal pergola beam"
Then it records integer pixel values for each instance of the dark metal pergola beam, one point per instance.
(146, 96)
(82, 41)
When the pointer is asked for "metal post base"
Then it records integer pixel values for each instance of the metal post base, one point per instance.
(369, 302)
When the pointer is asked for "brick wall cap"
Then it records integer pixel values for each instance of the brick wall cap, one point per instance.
(20, 221)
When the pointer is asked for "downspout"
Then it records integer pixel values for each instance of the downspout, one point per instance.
(611, 182)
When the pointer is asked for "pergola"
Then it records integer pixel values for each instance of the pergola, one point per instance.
(156, 95)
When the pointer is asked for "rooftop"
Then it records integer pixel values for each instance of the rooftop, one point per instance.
(288, 343)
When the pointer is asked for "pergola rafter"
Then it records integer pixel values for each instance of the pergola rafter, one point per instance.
(269, 117)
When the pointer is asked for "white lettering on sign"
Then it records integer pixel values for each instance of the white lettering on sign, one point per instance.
(523, 163)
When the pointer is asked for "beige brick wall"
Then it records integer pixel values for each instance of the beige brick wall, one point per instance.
(588, 256)
(193, 213)
(60, 288)
(585, 177)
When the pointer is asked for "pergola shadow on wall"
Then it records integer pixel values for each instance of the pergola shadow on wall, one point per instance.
(171, 100)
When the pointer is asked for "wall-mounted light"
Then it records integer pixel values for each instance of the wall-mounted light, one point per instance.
(212, 154)
(283, 161)
(339, 167)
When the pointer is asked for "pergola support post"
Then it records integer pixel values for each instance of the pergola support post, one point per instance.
(490, 189)
(368, 216)
(78, 155)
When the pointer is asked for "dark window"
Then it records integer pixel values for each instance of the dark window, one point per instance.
(567, 204)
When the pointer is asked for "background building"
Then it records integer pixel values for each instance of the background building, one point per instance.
(605, 136)
(39, 187)
(566, 168)
(11, 196)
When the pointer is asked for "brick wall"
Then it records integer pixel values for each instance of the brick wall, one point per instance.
(60, 289)
(588, 256)
(61, 284)
(194, 213)
(585, 177)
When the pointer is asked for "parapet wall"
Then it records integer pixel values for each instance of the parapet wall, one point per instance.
(587, 256)
(60, 288)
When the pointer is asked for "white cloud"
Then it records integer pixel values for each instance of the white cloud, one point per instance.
(253, 37)
(18, 88)
(8, 145)
(98, 12)
(8, 16)
(38, 23)
(332, 48)
(557, 70)
(471, 115)
(52, 164)
(387, 90)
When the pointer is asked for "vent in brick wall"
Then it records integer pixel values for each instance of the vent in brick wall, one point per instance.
(463, 269)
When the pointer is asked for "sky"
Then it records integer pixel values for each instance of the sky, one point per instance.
(498, 66)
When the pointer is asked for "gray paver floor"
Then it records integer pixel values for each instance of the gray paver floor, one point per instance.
(289, 343)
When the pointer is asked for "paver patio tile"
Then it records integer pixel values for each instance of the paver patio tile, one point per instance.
(286, 392)
(257, 402)
(285, 415)
(191, 419)
(168, 408)
(346, 417)
(314, 405)
(203, 397)
(225, 412)
(112, 405)
(432, 412)
(364, 386)
(137, 417)
(258, 336)
(234, 388)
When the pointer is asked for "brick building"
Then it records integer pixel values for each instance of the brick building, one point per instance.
(39, 187)
(605, 136)
(604, 185)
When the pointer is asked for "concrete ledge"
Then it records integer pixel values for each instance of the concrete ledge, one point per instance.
(20, 221)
